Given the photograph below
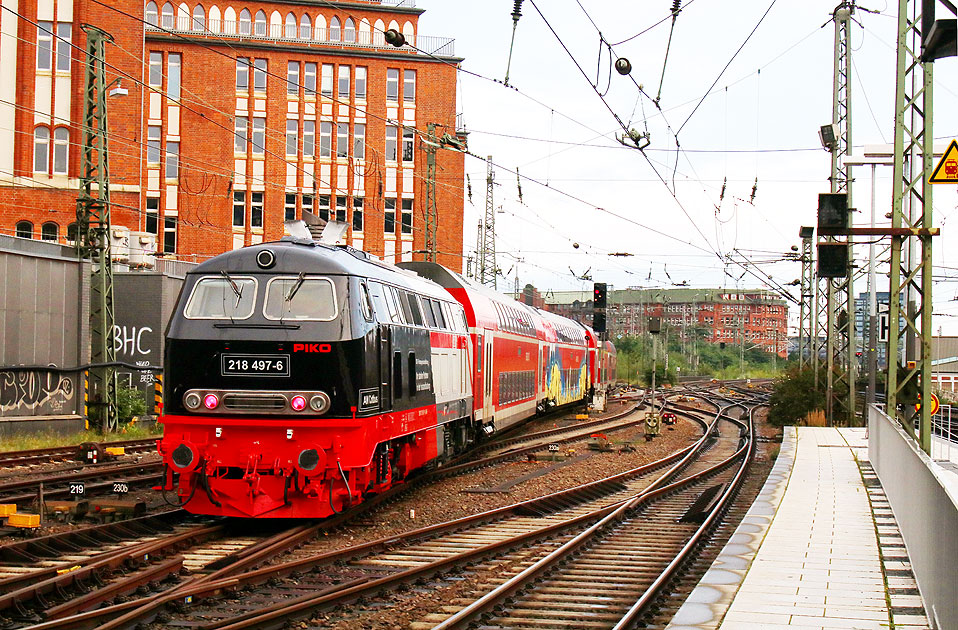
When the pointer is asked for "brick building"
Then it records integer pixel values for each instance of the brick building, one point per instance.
(236, 116)
(756, 317)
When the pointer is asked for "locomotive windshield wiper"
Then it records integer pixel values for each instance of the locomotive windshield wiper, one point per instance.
(295, 287)
(236, 289)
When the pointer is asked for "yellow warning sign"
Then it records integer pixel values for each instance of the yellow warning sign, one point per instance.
(947, 170)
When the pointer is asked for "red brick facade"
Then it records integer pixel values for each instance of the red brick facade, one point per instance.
(177, 167)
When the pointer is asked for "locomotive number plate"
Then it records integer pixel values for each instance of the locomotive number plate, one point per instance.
(255, 365)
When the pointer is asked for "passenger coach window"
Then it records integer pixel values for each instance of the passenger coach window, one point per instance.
(414, 308)
(222, 298)
(427, 313)
(300, 298)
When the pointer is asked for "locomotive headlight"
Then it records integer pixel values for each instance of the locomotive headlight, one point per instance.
(319, 402)
(211, 401)
(192, 400)
(298, 403)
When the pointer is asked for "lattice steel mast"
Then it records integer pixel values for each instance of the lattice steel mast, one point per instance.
(487, 255)
(93, 228)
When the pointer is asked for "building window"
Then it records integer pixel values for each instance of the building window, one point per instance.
(41, 149)
(242, 74)
(290, 207)
(239, 208)
(341, 209)
(325, 139)
(244, 22)
(289, 32)
(152, 215)
(357, 214)
(309, 79)
(153, 144)
(167, 16)
(360, 83)
(169, 235)
(256, 210)
(199, 18)
(61, 146)
(391, 132)
(292, 78)
(392, 84)
(326, 86)
(334, 31)
(259, 136)
(242, 128)
(309, 138)
(172, 160)
(349, 31)
(24, 229)
(50, 232)
(359, 141)
(344, 83)
(407, 144)
(45, 46)
(389, 223)
(64, 32)
(305, 27)
(259, 75)
(407, 216)
(307, 203)
(174, 65)
(324, 207)
(156, 70)
(260, 24)
(152, 16)
(72, 233)
(292, 133)
(342, 140)
(409, 86)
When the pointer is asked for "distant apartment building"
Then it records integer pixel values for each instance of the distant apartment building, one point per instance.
(231, 118)
(756, 318)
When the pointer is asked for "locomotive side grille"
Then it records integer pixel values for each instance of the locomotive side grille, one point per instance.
(254, 402)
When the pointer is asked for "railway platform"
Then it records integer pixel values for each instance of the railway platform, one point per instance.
(819, 549)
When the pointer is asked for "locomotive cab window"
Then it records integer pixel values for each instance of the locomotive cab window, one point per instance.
(300, 298)
(223, 297)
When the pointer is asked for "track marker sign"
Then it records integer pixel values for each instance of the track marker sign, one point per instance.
(947, 170)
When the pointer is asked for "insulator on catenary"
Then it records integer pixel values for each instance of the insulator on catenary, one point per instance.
(517, 10)
(676, 6)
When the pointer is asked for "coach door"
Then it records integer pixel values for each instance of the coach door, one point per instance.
(385, 366)
(488, 375)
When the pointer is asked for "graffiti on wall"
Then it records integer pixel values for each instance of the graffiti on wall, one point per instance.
(36, 393)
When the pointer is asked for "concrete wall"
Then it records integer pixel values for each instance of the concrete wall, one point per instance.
(44, 321)
(924, 499)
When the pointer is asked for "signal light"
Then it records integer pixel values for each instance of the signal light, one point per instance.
(598, 321)
(298, 403)
(832, 260)
(599, 295)
(211, 401)
(833, 210)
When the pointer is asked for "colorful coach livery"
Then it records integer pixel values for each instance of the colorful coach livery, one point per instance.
(302, 377)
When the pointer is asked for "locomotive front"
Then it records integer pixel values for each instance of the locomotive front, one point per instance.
(271, 387)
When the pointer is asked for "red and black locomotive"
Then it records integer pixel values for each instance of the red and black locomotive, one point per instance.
(302, 377)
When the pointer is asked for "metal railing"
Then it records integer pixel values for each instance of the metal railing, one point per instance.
(300, 33)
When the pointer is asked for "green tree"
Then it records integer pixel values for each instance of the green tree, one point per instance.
(794, 396)
(130, 402)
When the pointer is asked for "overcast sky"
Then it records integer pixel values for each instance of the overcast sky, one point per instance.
(759, 122)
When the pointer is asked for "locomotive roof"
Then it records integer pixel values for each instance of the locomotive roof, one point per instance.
(295, 255)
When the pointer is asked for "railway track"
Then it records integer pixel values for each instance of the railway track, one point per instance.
(314, 578)
(94, 479)
(12, 459)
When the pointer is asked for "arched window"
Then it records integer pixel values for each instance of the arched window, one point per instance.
(167, 16)
(61, 147)
(365, 37)
(320, 28)
(72, 233)
(183, 17)
(199, 18)
(290, 31)
(409, 32)
(334, 32)
(214, 24)
(151, 14)
(378, 30)
(349, 32)
(244, 22)
(41, 149)
(260, 25)
(305, 27)
(24, 229)
(50, 231)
